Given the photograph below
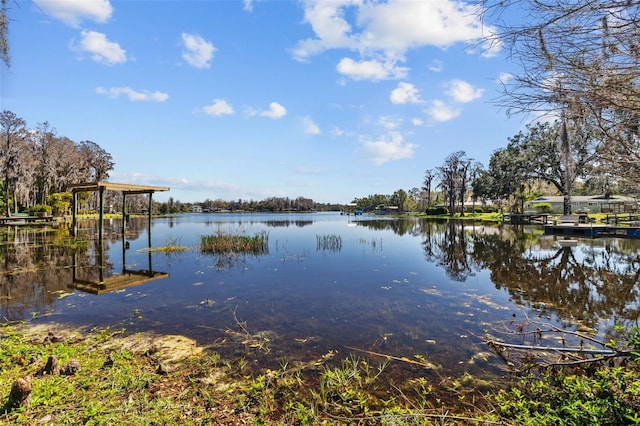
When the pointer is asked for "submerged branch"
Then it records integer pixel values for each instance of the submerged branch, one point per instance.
(559, 349)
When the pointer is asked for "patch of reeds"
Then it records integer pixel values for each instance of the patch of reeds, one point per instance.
(223, 243)
(329, 242)
(172, 246)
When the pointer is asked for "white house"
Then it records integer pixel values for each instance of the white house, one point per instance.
(588, 203)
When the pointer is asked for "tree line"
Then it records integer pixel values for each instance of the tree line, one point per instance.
(36, 164)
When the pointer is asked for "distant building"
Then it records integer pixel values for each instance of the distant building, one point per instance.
(196, 208)
(588, 204)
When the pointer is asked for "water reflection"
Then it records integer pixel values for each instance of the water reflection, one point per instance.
(586, 282)
(40, 264)
(399, 287)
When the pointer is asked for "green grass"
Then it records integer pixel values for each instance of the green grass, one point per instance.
(224, 243)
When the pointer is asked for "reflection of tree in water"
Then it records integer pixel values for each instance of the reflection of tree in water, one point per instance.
(36, 262)
(452, 251)
(556, 282)
(33, 269)
(400, 227)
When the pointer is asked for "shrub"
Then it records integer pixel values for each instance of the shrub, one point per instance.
(437, 211)
(543, 207)
(40, 208)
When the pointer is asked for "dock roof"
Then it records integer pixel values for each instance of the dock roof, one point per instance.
(113, 186)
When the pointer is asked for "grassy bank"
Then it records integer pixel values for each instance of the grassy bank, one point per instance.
(143, 380)
(108, 377)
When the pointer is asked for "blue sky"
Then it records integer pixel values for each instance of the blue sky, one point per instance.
(329, 100)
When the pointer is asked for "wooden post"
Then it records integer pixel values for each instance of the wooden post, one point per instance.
(100, 212)
(149, 218)
(124, 212)
(74, 213)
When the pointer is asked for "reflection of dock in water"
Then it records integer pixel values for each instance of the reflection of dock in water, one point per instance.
(128, 278)
(95, 281)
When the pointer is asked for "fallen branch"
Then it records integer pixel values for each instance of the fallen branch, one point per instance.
(560, 349)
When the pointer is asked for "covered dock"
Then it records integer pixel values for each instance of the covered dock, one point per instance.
(101, 187)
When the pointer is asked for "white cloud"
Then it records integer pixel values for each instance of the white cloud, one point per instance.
(310, 127)
(73, 12)
(247, 5)
(417, 121)
(439, 111)
(463, 92)
(504, 78)
(198, 52)
(389, 123)
(436, 66)
(101, 49)
(390, 147)
(133, 95)
(370, 70)
(390, 28)
(405, 93)
(274, 112)
(218, 107)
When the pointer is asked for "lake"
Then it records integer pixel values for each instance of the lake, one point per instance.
(369, 286)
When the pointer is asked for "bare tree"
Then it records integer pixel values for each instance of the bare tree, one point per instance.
(11, 126)
(580, 62)
(427, 184)
(453, 178)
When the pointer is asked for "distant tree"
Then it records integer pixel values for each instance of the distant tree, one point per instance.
(427, 184)
(454, 179)
(10, 150)
(399, 198)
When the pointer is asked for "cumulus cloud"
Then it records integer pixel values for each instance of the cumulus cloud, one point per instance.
(133, 95)
(387, 30)
(198, 52)
(218, 108)
(389, 147)
(405, 93)
(310, 127)
(73, 12)
(274, 112)
(463, 92)
(100, 48)
(370, 70)
(440, 111)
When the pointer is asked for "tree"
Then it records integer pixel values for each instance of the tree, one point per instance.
(542, 153)
(97, 162)
(399, 198)
(11, 126)
(429, 176)
(454, 178)
(580, 62)
(4, 30)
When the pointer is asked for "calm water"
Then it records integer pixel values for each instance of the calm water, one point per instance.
(398, 287)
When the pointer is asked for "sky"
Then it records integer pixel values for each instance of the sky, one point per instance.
(326, 99)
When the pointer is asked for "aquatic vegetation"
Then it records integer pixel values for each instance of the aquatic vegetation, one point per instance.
(232, 243)
(172, 246)
(329, 242)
